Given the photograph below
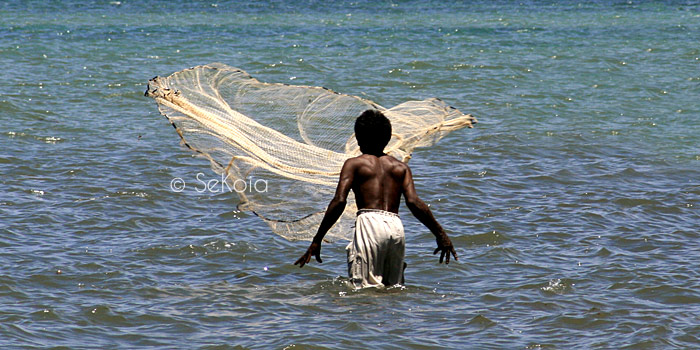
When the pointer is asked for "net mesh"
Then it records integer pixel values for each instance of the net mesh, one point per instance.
(281, 147)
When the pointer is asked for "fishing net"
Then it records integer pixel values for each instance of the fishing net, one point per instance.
(280, 147)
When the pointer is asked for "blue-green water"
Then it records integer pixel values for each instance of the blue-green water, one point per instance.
(573, 204)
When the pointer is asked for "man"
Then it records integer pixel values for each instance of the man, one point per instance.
(376, 253)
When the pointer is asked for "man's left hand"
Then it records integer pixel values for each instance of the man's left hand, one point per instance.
(445, 248)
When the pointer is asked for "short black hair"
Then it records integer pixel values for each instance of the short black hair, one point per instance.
(372, 131)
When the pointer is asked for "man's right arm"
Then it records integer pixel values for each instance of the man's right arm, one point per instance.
(333, 212)
(422, 212)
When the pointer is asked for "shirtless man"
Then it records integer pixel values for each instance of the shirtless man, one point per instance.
(376, 253)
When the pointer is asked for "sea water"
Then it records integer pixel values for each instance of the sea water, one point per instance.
(573, 204)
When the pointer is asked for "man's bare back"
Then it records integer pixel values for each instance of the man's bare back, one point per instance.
(377, 181)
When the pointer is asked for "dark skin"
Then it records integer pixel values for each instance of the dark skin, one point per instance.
(378, 181)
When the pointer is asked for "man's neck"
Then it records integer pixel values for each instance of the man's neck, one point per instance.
(376, 154)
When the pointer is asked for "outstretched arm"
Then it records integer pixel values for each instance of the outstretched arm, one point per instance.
(422, 212)
(333, 212)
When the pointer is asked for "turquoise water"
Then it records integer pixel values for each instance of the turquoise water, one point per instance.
(573, 203)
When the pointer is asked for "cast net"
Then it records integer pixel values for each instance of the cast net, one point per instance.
(281, 147)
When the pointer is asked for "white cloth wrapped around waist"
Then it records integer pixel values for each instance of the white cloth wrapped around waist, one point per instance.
(376, 253)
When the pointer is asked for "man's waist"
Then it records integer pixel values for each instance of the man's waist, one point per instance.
(378, 211)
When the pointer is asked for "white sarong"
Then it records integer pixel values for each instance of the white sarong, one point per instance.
(376, 253)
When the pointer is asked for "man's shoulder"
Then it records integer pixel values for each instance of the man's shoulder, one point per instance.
(352, 164)
(395, 162)
(354, 160)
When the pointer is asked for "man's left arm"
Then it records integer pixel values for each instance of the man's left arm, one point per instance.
(333, 212)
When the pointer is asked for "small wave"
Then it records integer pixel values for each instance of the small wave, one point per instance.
(103, 314)
(481, 322)
(131, 194)
(669, 295)
(24, 135)
(194, 250)
(45, 315)
(421, 65)
(557, 286)
(489, 238)
(603, 252)
(538, 346)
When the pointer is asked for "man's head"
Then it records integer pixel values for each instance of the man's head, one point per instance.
(373, 131)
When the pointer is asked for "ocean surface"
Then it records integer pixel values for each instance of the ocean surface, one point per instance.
(573, 204)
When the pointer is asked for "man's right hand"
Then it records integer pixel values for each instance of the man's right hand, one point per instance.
(315, 250)
(444, 246)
